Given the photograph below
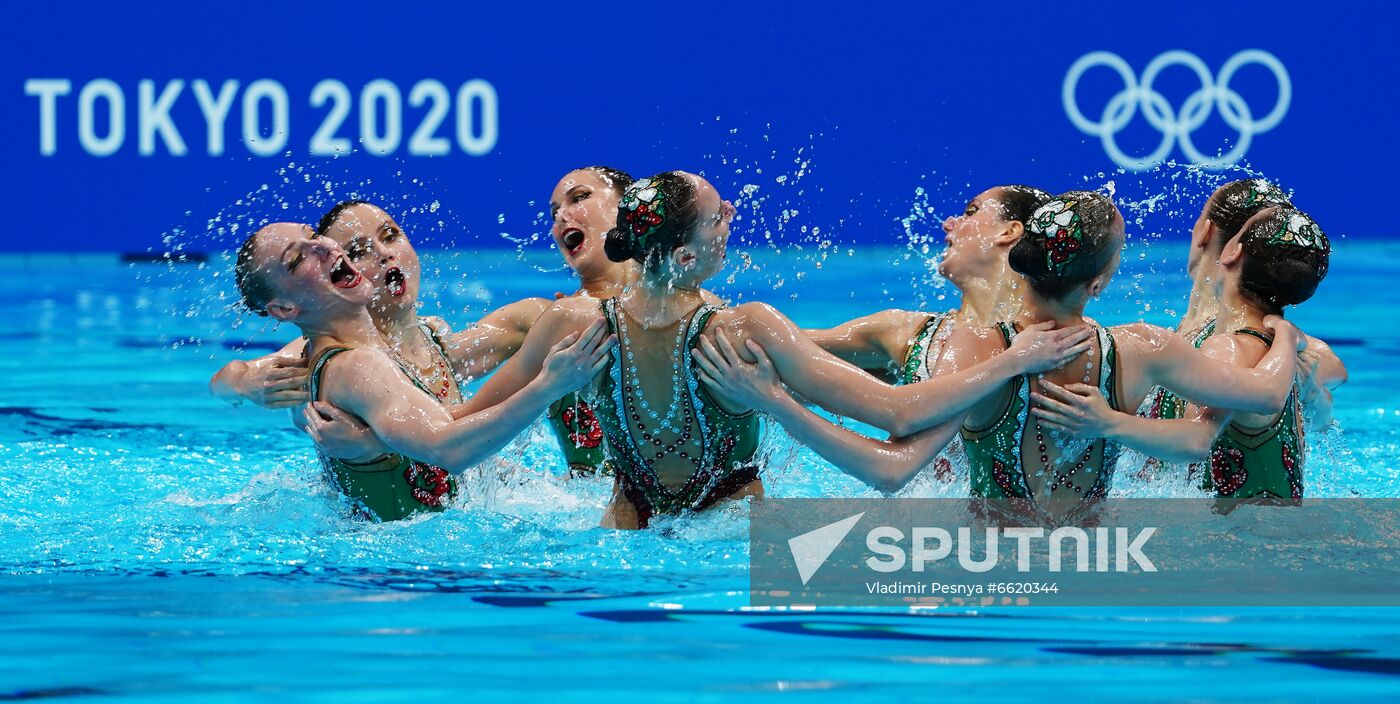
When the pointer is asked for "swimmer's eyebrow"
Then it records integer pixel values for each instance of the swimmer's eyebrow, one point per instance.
(283, 256)
(554, 207)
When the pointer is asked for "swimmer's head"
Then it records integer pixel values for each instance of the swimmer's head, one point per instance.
(1225, 213)
(978, 239)
(1072, 243)
(379, 249)
(285, 271)
(675, 224)
(1278, 259)
(583, 208)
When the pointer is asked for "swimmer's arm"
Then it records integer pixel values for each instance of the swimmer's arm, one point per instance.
(277, 380)
(1172, 362)
(1080, 410)
(410, 423)
(556, 324)
(1330, 372)
(885, 465)
(477, 350)
(868, 342)
(902, 410)
(1319, 371)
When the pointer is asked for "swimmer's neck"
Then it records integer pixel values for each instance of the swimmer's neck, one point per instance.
(397, 324)
(1238, 313)
(611, 282)
(1037, 309)
(987, 300)
(355, 329)
(657, 301)
(1201, 305)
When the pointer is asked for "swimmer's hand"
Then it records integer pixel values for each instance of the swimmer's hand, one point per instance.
(340, 434)
(743, 384)
(1039, 347)
(275, 381)
(1077, 410)
(573, 361)
(1285, 333)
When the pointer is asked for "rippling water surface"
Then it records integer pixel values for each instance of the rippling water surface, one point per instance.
(157, 543)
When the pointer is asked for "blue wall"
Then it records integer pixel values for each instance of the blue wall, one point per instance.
(951, 97)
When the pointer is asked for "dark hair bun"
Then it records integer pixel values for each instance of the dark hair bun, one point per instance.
(618, 245)
(1068, 241)
(1027, 258)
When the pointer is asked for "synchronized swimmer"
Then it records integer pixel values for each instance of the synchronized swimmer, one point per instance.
(647, 377)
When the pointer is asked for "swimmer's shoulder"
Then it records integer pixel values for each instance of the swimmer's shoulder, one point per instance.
(346, 376)
(1240, 350)
(575, 312)
(969, 344)
(1144, 338)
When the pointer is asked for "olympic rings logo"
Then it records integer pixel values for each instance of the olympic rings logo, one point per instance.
(1176, 127)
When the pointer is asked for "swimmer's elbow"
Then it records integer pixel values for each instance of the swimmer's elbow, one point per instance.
(224, 383)
(901, 421)
(1196, 449)
(896, 470)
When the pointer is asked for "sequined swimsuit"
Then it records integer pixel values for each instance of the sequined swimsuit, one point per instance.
(1163, 404)
(925, 349)
(1246, 462)
(727, 444)
(995, 451)
(390, 487)
(575, 424)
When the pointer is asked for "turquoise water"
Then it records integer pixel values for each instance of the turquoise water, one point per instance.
(159, 545)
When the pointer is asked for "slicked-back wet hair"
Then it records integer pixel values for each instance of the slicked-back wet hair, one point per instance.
(1278, 271)
(617, 179)
(1034, 255)
(253, 285)
(1233, 204)
(676, 191)
(323, 225)
(1019, 202)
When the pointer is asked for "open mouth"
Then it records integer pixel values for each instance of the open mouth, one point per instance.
(395, 282)
(573, 241)
(343, 275)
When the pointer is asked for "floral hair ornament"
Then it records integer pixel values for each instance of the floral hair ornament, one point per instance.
(645, 204)
(1300, 230)
(1262, 192)
(1058, 224)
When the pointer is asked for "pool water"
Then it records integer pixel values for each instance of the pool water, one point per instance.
(158, 544)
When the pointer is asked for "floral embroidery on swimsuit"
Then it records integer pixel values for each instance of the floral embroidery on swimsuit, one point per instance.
(430, 485)
(1227, 470)
(582, 423)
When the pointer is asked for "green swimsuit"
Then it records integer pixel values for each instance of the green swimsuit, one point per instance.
(925, 348)
(1163, 404)
(726, 447)
(580, 435)
(1246, 462)
(995, 451)
(390, 487)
